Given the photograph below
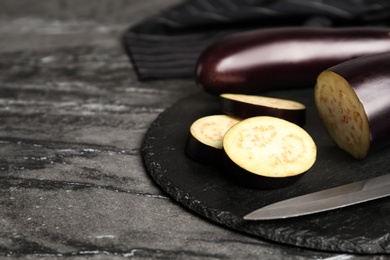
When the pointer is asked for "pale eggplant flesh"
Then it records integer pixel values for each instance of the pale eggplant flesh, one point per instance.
(278, 58)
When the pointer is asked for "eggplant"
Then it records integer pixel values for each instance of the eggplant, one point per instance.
(245, 106)
(353, 102)
(267, 152)
(279, 58)
(204, 142)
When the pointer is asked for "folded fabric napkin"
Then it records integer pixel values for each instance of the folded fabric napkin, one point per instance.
(168, 44)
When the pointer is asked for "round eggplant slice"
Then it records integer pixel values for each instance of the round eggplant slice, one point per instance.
(245, 106)
(353, 102)
(204, 142)
(279, 58)
(267, 152)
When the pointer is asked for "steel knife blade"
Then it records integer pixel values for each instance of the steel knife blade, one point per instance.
(333, 198)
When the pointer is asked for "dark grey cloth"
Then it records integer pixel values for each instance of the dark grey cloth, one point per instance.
(167, 45)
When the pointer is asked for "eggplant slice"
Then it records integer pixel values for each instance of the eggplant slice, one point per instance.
(204, 142)
(245, 106)
(268, 152)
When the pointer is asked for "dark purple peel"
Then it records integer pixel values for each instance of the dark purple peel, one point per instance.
(364, 83)
(245, 109)
(254, 61)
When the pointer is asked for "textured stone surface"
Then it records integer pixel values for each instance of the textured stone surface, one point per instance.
(72, 120)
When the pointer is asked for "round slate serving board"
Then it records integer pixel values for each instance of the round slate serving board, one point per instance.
(362, 228)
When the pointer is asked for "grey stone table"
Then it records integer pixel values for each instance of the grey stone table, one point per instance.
(72, 119)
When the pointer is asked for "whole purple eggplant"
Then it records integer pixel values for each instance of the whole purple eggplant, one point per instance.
(253, 61)
(353, 101)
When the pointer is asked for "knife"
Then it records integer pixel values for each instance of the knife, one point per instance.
(325, 200)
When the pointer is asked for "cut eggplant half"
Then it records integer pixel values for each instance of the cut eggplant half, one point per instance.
(204, 142)
(281, 58)
(245, 106)
(353, 102)
(268, 152)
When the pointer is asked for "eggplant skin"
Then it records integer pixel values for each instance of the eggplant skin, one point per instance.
(279, 58)
(369, 78)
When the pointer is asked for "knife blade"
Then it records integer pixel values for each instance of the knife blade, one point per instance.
(329, 199)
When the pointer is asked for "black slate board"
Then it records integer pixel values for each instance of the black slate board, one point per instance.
(363, 228)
